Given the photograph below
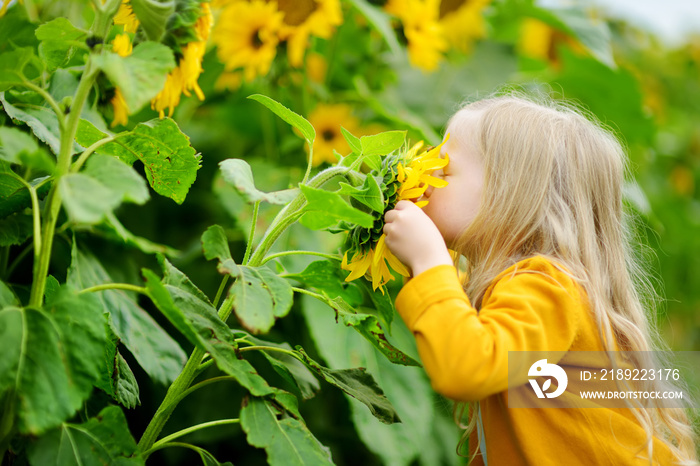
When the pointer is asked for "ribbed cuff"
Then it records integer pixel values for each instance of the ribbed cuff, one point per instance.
(433, 286)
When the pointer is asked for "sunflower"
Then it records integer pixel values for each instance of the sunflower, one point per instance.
(462, 22)
(247, 35)
(405, 176)
(183, 78)
(304, 18)
(327, 120)
(126, 17)
(424, 34)
(540, 41)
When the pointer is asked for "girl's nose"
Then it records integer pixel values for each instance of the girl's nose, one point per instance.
(428, 191)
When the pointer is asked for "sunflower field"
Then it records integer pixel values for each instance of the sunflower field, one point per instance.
(192, 268)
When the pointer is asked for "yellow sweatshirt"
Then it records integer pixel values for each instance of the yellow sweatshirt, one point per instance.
(531, 306)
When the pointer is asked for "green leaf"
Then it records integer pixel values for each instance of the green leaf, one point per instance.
(593, 33)
(102, 440)
(382, 303)
(169, 160)
(48, 361)
(260, 296)
(86, 200)
(369, 194)
(352, 140)
(12, 66)
(359, 384)
(153, 16)
(286, 440)
(15, 229)
(156, 352)
(613, 95)
(7, 296)
(117, 379)
(408, 389)
(199, 322)
(58, 41)
(141, 75)
(324, 209)
(380, 21)
(288, 367)
(368, 326)
(42, 121)
(124, 183)
(237, 172)
(18, 147)
(294, 119)
(329, 278)
(382, 143)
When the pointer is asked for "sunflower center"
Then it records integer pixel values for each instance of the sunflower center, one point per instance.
(328, 135)
(255, 40)
(296, 11)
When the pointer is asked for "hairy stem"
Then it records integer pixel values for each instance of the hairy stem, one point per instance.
(115, 286)
(53, 204)
(178, 434)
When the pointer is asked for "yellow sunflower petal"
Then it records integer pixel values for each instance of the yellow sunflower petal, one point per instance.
(422, 204)
(396, 264)
(413, 193)
(433, 181)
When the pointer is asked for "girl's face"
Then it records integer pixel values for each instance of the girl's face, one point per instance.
(454, 207)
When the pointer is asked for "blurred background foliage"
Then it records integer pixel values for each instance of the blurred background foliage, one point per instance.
(373, 66)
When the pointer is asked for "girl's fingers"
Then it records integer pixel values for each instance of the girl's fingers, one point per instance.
(390, 216)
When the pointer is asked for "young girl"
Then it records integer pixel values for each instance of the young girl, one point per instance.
(534, 204)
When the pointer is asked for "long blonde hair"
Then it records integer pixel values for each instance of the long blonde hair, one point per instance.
(553, 187)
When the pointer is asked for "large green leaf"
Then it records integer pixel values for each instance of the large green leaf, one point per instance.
(369, 194)
(12, 65)
(407, 388)
(117, 379)
(156, 352)
(86, 200)
(49, 364)
(288, 367)
(42, 121)
(170, 162)
(359, 384)
(286, 440)
(141, 75)
(237, 172)
(102, 440)
(325, 209)
(18, 147)
(329, 278)
(260, 296)
(58, 41)
(124, 183)
(613, 95)
(368, 326)
(382, 143)
(380, 21)
(593, 33)
(199, 322)
(153, 16)
(7, 296)
(294, 119)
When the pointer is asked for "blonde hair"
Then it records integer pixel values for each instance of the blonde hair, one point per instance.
(554, 177)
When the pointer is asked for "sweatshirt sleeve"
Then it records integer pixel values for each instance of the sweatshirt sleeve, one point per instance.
(535, 307)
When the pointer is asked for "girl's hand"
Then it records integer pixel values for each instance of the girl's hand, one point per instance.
(414, 239)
